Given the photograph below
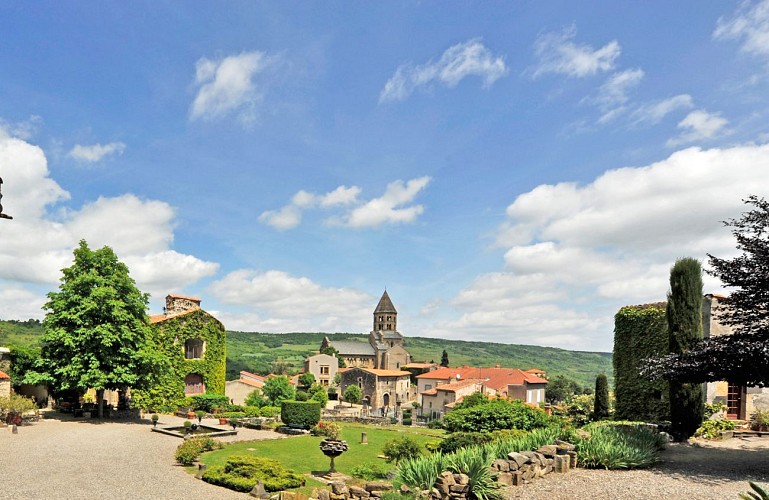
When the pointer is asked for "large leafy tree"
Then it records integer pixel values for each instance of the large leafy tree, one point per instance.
(561, 389)
(97, 332)
(684, 317)
(741, 358)
(278, 389)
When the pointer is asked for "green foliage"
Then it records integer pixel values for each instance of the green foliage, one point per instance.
(435, 424)
(233, 414)
(207, 402)
(300, 414)
(420, 473)
(578, 411)
(270, 411)
(684, 317)
(401, 449)
(712, 429)
(97, 333)
(242, 472)
(561, 389)
(759, 421)
(453, 442)
(278, 389)
(759, 492)
(619, 446)
(474, 399)
(255, 398)
(370, 471)
(306, 380)
(190, 449)
(601, 406)
(320, 394)
(16, 404)
(301, 396)
(329, 430)
(26, 365)
(497, 414)
(353, 394)
(640, 332)
(525, 442)
(445, 358)
(713, 408)
(475, 462)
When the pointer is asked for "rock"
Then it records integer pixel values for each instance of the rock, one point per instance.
(338, 488)
(359, 492)
(572, 459)
(501, 465)
(462, 478)
(201, 470)
(565, 444)
(447, 478)
(518, 479)
(548, 450)
(377, 486)
(518, 458)
(513, 465)
(528, 474)
(324, 494)
(258, 491)
(539, 458)
(405, 490)
(459, 488)
(505, 478)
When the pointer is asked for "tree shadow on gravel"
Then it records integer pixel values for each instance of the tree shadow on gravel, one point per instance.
(743, 460)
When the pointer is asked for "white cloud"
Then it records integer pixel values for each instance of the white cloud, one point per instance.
(23, 130)
(279, 302)
(750, 24)
(557, 53)
(387, 209)
(40, 239)
(612, 95)
(227, 85)
(96, 152)
(574, 254)
(653, 113)
(459, 61)
(697, 126)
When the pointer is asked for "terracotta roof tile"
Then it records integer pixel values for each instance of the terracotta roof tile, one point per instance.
(4, 375)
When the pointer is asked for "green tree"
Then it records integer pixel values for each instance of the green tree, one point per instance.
(255, 398)
(319, 393)
(97, 333)
(278, 389)
(306, 380)
(601, 406)
(401, 449)
(353, 394)
(445, 358)
(561, 389)
(474, 399)
(684, 316)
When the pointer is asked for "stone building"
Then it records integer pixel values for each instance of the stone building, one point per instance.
(385, 348)
(5, 359)
(238, 390)
(324, 368)
(383, 390)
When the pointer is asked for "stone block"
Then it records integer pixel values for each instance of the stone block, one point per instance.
(447, 478)
(565, 445)
(572, 459)
(338, 488)
(459, 488)
(359, 492)
(518, 458)
(512, 465)
(258, 491)
(518, 479)
(324, 494)
(461, 478)
(548, 450)
(505, 478)
(377, 486)
(528, 474)
(335, 496)
(539, 471)
(501, 465)
(548, 469)
(539, 457)
(549, 461)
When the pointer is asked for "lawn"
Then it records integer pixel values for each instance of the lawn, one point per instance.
(302, 453)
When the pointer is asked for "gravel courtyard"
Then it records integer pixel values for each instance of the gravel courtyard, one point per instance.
(87, 459)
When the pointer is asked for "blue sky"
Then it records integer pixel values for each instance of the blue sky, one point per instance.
(510, 172)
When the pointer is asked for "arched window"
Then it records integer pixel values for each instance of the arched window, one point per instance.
(193, 348)
(193, 384)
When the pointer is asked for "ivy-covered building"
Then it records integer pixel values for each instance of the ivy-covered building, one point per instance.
(195, 343)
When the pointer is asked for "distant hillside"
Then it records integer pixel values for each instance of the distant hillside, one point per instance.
(257, 352)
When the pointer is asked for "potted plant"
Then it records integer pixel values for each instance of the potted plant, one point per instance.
(234, 421)
(187, 427)
(200, 414)
(223, 420)
(155, 419)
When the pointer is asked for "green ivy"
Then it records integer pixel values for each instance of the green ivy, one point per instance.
(169, 337)
(640, 332)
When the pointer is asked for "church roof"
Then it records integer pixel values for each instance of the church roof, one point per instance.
(385, 305)
(353, 348)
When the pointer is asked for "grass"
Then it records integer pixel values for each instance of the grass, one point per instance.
(303, 454)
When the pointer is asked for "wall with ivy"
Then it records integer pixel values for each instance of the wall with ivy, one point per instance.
(639, 332)
(170, 336)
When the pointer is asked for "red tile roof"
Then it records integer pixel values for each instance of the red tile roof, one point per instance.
(4, 375)
(496, 378)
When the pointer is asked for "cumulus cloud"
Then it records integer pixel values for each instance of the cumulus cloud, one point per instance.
(750, 25)
(697, 126)
(279, 302)
(227, 85)
(574, 254)
(38, 243)
(96, 152)
(558, 53)
(459, 61)
(391, 208)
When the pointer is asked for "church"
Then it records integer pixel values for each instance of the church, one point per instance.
(384, 350)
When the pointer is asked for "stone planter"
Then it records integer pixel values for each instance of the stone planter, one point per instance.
(223, 421)
(332, 448)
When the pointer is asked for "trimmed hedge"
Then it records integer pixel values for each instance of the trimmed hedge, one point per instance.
(242, 472)
(300, 414)
(639, 332)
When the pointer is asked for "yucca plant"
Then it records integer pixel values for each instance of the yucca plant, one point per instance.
(421, 472)
(758, 493)
(619, 447)
(475, 461)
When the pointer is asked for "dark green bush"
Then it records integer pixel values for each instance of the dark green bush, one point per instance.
(406, 421)
(300, 414)
(242, 472)
(457, 440)
(207, 402)
(231, 414)
(497, 414)
(435, 424)
(712, 429)
(400, 449)
(190, 449)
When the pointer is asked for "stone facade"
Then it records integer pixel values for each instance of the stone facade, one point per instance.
(324, 368)
(383, 390)
(5, 384)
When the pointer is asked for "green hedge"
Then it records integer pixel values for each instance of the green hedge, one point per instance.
(495, 415)
(300, 414)
(207, 402)
(639, 332)
(242, 472)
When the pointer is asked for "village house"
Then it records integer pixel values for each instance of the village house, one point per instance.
(323, 367)
(238, 390)
(383, 390)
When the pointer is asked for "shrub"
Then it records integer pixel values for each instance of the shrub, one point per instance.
(713, 408)
(242, 472)
(270, 411)
(320, 394)
(207, 402)
(400, 449)
(252, 411)
(231, 414)
(458, 440)
(475, 462)
(619, 446)
(330, 430)
(759, 421)
(601, 403)
(368, 472)
(300, 414)
(420, 473)
(190, 449)
(255, 398)
(435, 424)
(712, 429)
(302, 396)
(497, 414)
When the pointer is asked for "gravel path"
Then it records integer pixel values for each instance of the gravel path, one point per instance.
(87, 459)
(707, 470)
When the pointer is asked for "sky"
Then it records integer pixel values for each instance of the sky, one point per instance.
(508, 171)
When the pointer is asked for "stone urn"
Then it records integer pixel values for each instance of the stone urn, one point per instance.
(332, 448)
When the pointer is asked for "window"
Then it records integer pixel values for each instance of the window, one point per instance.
(193, 384)
(193, 349)
(324, 369)
(428, 387)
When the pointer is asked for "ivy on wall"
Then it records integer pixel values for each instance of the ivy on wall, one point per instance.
(170, 336)
(640, 332)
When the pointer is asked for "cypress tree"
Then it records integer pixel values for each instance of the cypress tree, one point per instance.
(601, 406)
(445, 358)
(684, 316)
